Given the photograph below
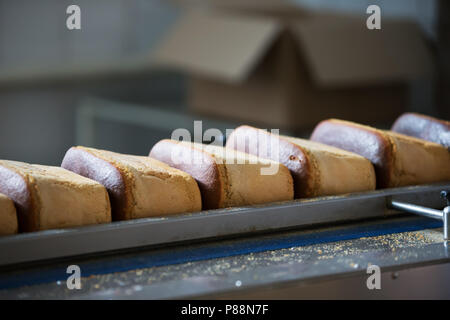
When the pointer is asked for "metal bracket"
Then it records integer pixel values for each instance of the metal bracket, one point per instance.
(443, 214)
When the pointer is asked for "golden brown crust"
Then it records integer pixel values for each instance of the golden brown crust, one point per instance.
(228, 178)
(8, 216)
(21, 190)
(418, 161)
(398, 159)
(369, 142)
(108, 174)
(51, 197)
(293, 156)
(208, 174)
(317, 169)
(139, 186)
(423, 127)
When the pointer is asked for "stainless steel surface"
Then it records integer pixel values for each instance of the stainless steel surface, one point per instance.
(446, 222)
(209, 224)
(413, 265)
(412, 208)
(260, 276)
(426, 212)
(407, 283)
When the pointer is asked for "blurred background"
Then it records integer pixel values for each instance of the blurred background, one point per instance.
(138, 69)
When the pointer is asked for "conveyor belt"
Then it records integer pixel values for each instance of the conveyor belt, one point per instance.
(183, 254)
(53, 244)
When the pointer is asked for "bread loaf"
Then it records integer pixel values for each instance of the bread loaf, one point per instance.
(138, 186)
(52, 197)
(399, 160)
(423, 127)
(317, 169)
(8, 216)
(227, 179)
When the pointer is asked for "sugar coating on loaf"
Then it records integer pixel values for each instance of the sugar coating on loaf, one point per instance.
(49, 197)
(139, 186)
(423, 127)
(227, 178)
(317, 169)
(8, 216)
(399, 160)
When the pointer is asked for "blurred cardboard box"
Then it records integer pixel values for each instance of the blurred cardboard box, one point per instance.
(286, 67)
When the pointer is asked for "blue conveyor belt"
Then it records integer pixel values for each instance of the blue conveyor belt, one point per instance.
(217, 249)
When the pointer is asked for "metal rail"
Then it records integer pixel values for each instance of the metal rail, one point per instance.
(427, 212)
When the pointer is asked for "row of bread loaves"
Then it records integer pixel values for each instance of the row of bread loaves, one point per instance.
(96, 186)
